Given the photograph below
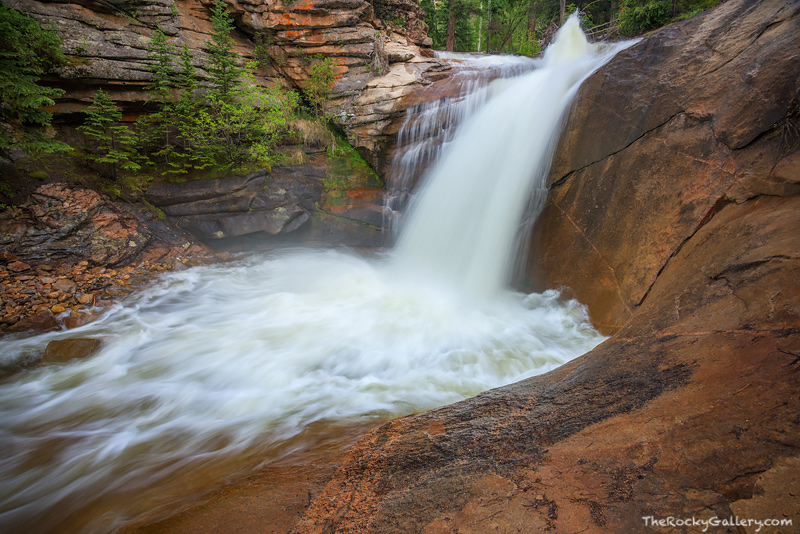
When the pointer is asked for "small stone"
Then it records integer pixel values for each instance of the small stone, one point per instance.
(11, 319)
(5, 257)
(44, 267)
(47, 279)
(65, 285)
(76, 319)
(64, 297)
(53, 294)
(18, 266)
(58, 308)
(87, 299)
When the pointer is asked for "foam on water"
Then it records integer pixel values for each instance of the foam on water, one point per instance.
(213, 362)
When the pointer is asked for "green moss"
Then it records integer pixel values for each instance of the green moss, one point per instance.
(76, 61)
(39, 175)
(114, 190)
(136, 183)
(7, 190)
(347, 169)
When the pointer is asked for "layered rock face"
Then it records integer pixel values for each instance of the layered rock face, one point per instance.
(289, 203)
(705, 115)
(674, 212)
(59, 222)
(379, 48)
(231, 207)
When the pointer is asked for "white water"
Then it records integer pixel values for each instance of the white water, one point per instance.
(215, 367)
(464, 222)
(428, 129)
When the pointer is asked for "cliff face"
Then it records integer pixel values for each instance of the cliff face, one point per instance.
(674, 213)
(705, 117)
(379, 47)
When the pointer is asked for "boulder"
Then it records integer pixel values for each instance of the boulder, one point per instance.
(61, 221)
(624, 200)
(65, 350)
(274, 203)
(43, 321)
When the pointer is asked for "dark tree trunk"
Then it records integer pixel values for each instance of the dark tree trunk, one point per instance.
(451, 27)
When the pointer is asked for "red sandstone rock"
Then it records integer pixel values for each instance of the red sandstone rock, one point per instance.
(109, 50)
(625, 199)
(42, 321)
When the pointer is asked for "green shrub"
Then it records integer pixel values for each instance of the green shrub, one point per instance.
(636, 16)
(223, 68)
(241, 130)
(159, 124)
(26, 52)
(317, 87)
(110, 144)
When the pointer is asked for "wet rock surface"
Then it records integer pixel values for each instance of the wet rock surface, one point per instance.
(289, 204)
(705, 114)
(274, 203)
(682, 236)
(59, 221)
(65, 350)
(67, 249)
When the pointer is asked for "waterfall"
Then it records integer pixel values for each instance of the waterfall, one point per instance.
(429, 128)
(213, 370)
(463, 223)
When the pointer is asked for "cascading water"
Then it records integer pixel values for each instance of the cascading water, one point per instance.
(213, 369)
(429, 128)
(463, 224)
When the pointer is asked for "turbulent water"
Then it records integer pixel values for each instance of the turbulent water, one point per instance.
(214, 368)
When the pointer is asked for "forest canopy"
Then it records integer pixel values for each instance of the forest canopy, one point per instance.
(525, 26)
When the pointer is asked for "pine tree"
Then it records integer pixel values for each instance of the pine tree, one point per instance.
(186, 109)
(187, 76)
(26, 52)
(224, 69)
(162, 84)
(112, 142)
